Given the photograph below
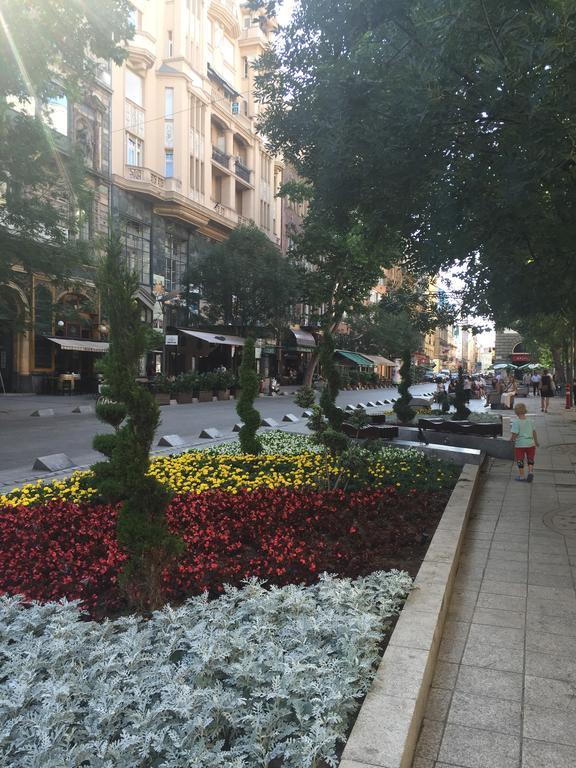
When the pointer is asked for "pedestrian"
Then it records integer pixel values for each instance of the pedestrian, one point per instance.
(525, 440)
(546, 390)
(535, 381)
(467, 388)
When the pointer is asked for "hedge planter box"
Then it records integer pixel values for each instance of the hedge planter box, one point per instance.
(162, 398)
(223, 394)
(205, 396)
(183, 398)
(466, 427)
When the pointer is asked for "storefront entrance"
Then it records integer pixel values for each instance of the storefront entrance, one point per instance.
(7, 351)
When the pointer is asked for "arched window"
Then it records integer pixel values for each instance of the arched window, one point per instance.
(42, 327)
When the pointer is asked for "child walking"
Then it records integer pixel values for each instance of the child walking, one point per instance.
(525, 441)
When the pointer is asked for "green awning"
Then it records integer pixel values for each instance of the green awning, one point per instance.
(355, 358)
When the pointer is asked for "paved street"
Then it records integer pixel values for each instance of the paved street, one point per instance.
(24, 437)
(503, 693)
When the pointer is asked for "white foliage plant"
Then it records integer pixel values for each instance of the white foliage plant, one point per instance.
(260, 677)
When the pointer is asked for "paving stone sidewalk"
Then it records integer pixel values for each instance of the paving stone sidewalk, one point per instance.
(504, 692)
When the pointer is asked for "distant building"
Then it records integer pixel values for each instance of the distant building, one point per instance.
(509, 347)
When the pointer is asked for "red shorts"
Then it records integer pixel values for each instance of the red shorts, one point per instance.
(530, 453)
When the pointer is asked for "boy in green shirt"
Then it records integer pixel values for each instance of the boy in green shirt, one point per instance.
(525, 441)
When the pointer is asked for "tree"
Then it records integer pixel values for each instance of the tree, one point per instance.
(123, 478)
(249, 386)
(49, 49)
(245, 281)
(401, 407)
(339, 267)
(452, 130)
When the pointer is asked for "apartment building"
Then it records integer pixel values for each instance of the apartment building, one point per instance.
(59, 330)
(187, 163)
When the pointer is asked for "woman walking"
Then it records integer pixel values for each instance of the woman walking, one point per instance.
(546, 390)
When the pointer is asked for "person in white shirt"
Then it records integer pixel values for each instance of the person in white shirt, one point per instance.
(535, 381)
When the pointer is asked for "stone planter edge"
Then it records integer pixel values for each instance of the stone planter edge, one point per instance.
(388, 724)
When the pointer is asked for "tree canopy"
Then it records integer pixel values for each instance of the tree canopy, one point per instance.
(49, 49)
(245, 281)
(449, 126)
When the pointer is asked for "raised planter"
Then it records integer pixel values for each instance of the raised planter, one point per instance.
(162, 398)
(489, 429)
(182, 398)
(223, 394)
(388, 724)
(370, 432)
(205, 396)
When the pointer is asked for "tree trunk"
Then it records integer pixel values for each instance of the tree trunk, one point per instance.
(310, 368)
(557, 358)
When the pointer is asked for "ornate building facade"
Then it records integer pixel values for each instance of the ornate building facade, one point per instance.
(52, 329)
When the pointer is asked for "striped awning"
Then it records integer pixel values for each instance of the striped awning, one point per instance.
(379, 360)
(355, 358)
(215, 338)
(79, 345)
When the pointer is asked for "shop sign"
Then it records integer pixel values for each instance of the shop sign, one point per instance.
(521, 357)
(171, 340)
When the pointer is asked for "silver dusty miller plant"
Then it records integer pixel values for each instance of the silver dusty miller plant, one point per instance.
(234, 683)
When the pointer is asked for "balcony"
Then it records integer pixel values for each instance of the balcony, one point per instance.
(227, 13)
(221, 157)
(254, 34)
(223, 210)
(242, 170)
(146, 176)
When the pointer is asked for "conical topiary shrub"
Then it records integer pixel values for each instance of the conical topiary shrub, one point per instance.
(402, 407)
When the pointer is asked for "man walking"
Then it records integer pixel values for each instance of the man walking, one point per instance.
(535, 381)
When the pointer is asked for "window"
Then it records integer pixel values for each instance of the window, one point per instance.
(227, 49)
(136, 237)
(169, 102)
(175, 251)
(134, 86)
(57, 114)
(134, 151)
(169, 163)
(42, 327)
(196, 175)
(245, 66)
(82, 223)
(170, 45)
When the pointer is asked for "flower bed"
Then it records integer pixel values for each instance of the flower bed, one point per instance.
(64, 550)
(238, 682)
(265, 676)
(225, 469)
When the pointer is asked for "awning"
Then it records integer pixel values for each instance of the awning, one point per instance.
(228, 89)
(379, 360)
(215, 338)
(355, 358)
(80, 345)
(303, 338)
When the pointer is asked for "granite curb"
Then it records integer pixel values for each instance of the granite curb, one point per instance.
(388, 724)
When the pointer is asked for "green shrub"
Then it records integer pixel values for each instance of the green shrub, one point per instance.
(142, 527)
(249, 387)
(402, 406)
(161, 385)
(305, 397)
(185, 382)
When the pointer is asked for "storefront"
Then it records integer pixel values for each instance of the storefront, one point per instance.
(354, 368)
(74, 369)
(299, 346)
(202, 351)
(384, 367)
